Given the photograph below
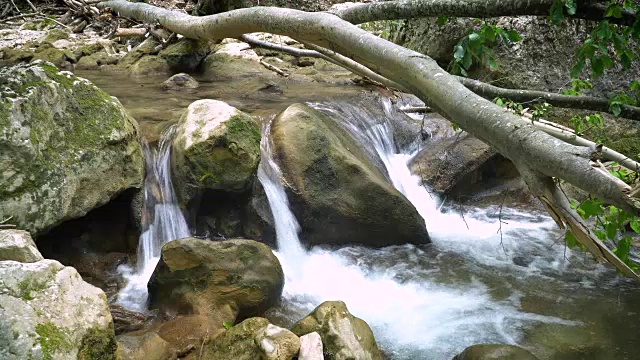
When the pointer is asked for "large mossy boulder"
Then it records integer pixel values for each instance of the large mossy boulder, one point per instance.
(344, 336)
(253, 339)
(234, 61)
(149, 58)
(228, 278)
(48, 312)
(337, 194)
(216, 147)
(17, 245)
(495, 352)
(66, 147)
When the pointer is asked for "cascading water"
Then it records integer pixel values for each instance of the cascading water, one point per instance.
(424, 302)
(162, 221)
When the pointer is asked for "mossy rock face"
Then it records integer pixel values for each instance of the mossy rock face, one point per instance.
(335, 191)
(254, 338)
(147, 47)
(185, 55)
(201, 277)
(48, 312)
(216, 147)
(10, 56)
(55, 35)
(55, 56)
(344, 336)
(66, 147)
(495, 352)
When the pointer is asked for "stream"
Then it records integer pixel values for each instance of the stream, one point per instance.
(490, 275)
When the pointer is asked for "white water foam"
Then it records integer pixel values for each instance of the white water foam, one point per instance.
(413, 313)
(162, 220)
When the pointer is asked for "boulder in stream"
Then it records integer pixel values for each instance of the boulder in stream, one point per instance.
(344, 336)
(17, 245)
(216, 147)
(336, 193)
(495, 352)
(48, 312)
(254, 338)
(180, 81)
(68, 147)
(232, 61)
(218, 278)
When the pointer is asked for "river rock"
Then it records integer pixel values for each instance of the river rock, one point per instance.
(48, 312)
(443, 164)
(254, 338)
(495, 352)
(17, 245)
(148, 346)
(336, 193)
(216, 147)
(126, 320)
(185, 55)
(344, 336)
(232, 61)
(236, 277)
(180, 81)
(311, 347)
(68, 147)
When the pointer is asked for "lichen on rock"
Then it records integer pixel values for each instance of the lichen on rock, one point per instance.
(66, 146)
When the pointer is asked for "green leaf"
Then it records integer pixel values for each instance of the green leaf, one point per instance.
(577, 68)
(556, 12)
(458, 52)
(614, 10)
(571, 6)
(513, 36)
(597, 66)
(625, 59)
(490, 33)
(474, 39)
(612, 230)
(570, 240)
(600, 234)
(589, 208)
(635, 225)
(615, 108)
(467, 61)
(622, 249)
(492, 63)
(227, 325)
(442, 20)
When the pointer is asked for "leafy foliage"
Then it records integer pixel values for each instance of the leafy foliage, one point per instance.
(477, 47)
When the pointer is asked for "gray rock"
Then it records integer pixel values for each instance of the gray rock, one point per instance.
(495, 352)
(180, 81)
(17, 245)
(68, 147)
(311, 347)
(216, 147)
(344, 336)
(48, 312)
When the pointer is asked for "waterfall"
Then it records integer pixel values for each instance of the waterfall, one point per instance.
(286, 225)
(421, 303)
(162, 221)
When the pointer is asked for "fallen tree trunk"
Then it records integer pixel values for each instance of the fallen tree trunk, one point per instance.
(407, 9)
(538, 156)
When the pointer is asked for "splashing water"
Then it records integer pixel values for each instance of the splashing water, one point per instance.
(420, 305)
(162, 220)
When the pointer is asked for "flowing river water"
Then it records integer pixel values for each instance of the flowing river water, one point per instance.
(495, 275)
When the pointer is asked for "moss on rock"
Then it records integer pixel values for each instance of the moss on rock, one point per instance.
(72, 146)
(98, 344)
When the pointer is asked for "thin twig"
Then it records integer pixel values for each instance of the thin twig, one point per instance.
(500, 222)
(54, 20)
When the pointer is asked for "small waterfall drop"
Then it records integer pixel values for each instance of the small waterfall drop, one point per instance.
(421, 303)
(162, 221)
(286, 225)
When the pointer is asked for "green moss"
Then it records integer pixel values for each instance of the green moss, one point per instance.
(626, 146)
(55, 35)
(52, 55)
(29, 286)
(98, 344)
(52, 340)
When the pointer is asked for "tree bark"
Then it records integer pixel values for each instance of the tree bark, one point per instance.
(540, 155)
(407, 9)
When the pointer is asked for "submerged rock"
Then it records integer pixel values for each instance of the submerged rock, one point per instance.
(48, 312)
(495, 352)
(344, 336)
(68, 147)
(216, 147)
(17, 245)
(254, 338)
(336, 193)
(227, 278)
(180, 81)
